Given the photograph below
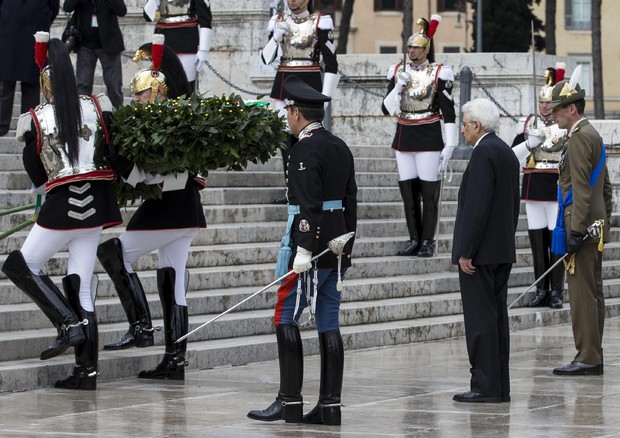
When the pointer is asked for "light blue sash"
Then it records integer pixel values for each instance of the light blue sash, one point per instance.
(284, 257)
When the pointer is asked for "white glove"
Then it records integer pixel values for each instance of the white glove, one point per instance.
(201, 58)
(446, 154)
(402, 80)
(533, 141)
(280, 30)
(204, 45)
(303, 260)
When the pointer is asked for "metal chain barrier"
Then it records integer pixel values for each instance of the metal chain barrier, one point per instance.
(230, 84)
(482, 87)
(358, 86)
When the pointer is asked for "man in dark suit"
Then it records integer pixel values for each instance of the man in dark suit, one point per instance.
(484, 249)
(97, 21)
(19, 20)
(584, 177)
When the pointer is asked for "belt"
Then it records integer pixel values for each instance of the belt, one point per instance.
(286, 251)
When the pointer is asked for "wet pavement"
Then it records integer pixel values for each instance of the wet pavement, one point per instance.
(401, 391)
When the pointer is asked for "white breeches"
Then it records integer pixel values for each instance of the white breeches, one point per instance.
(172, 248)
(423, 165)
(189, 65)
(541, 214)
(42, 243)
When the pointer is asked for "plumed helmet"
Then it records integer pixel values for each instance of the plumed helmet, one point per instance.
(566, 92)
(423, 37)
(151, 78)
(552, 76)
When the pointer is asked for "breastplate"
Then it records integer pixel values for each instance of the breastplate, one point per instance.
(300, 42)
(418, 95)
(175, 11)
(553, 138)
(54, 153)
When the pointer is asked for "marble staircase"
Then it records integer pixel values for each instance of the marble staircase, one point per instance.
(387, 300)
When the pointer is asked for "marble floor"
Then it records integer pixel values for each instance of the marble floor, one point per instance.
(403, 391)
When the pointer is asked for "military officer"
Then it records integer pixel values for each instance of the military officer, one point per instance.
(585, 196)
(322, 206)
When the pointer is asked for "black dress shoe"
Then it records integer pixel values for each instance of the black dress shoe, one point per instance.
(427, 248)
(579, 369)
(411, 249)
(556, 300)
(540, 300)
(280, 201)
(476, 397)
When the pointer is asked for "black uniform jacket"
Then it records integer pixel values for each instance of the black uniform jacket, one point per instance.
(488, 205)
(85, 202)
(321, 169)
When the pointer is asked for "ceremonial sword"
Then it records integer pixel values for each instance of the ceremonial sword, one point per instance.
(335, 245)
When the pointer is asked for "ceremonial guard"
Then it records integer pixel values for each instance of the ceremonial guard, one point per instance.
(186, 25)
(420, 94)
(167, 225)
(302, 39)
(64, 159)
(322, 206)
(539, 156)
(128, 286)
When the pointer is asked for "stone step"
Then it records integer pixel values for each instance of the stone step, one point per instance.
(31, 373)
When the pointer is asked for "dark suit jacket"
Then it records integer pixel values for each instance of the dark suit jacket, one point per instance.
(19, 20)
(108, 12)
(488, 205)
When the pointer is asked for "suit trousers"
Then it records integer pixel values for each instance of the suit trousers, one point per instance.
(587, 304)
(487, 335)
(30, 99)
(112, 73)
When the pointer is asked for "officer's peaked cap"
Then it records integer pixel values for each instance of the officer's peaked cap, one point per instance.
(298, 93)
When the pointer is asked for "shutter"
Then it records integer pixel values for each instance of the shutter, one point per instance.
(568, 14)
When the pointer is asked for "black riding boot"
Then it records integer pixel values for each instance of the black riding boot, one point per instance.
(176, 322)
(327, 410)
(540, 257)
(289, 402)
(131, 295)
(84, 375)
(50, 300)
(410, 192)
(430, 216)
(556, 300)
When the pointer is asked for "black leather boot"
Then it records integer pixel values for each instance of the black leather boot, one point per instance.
(556, 300)
(132, 297)
(50, 300)
(540, 257)
(84, 375)
(288, 405)
(327, 410)
(430, 216)
(176, 322)
(410, 192)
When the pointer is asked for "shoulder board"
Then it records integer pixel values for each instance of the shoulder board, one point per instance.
(445, 73)
(24, 123)
(325, 22)
(105, 103)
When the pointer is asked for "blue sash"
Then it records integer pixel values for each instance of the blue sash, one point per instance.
(558, 240)
(286, 250)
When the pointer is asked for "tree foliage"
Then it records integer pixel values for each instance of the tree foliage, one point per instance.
(506, 25)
